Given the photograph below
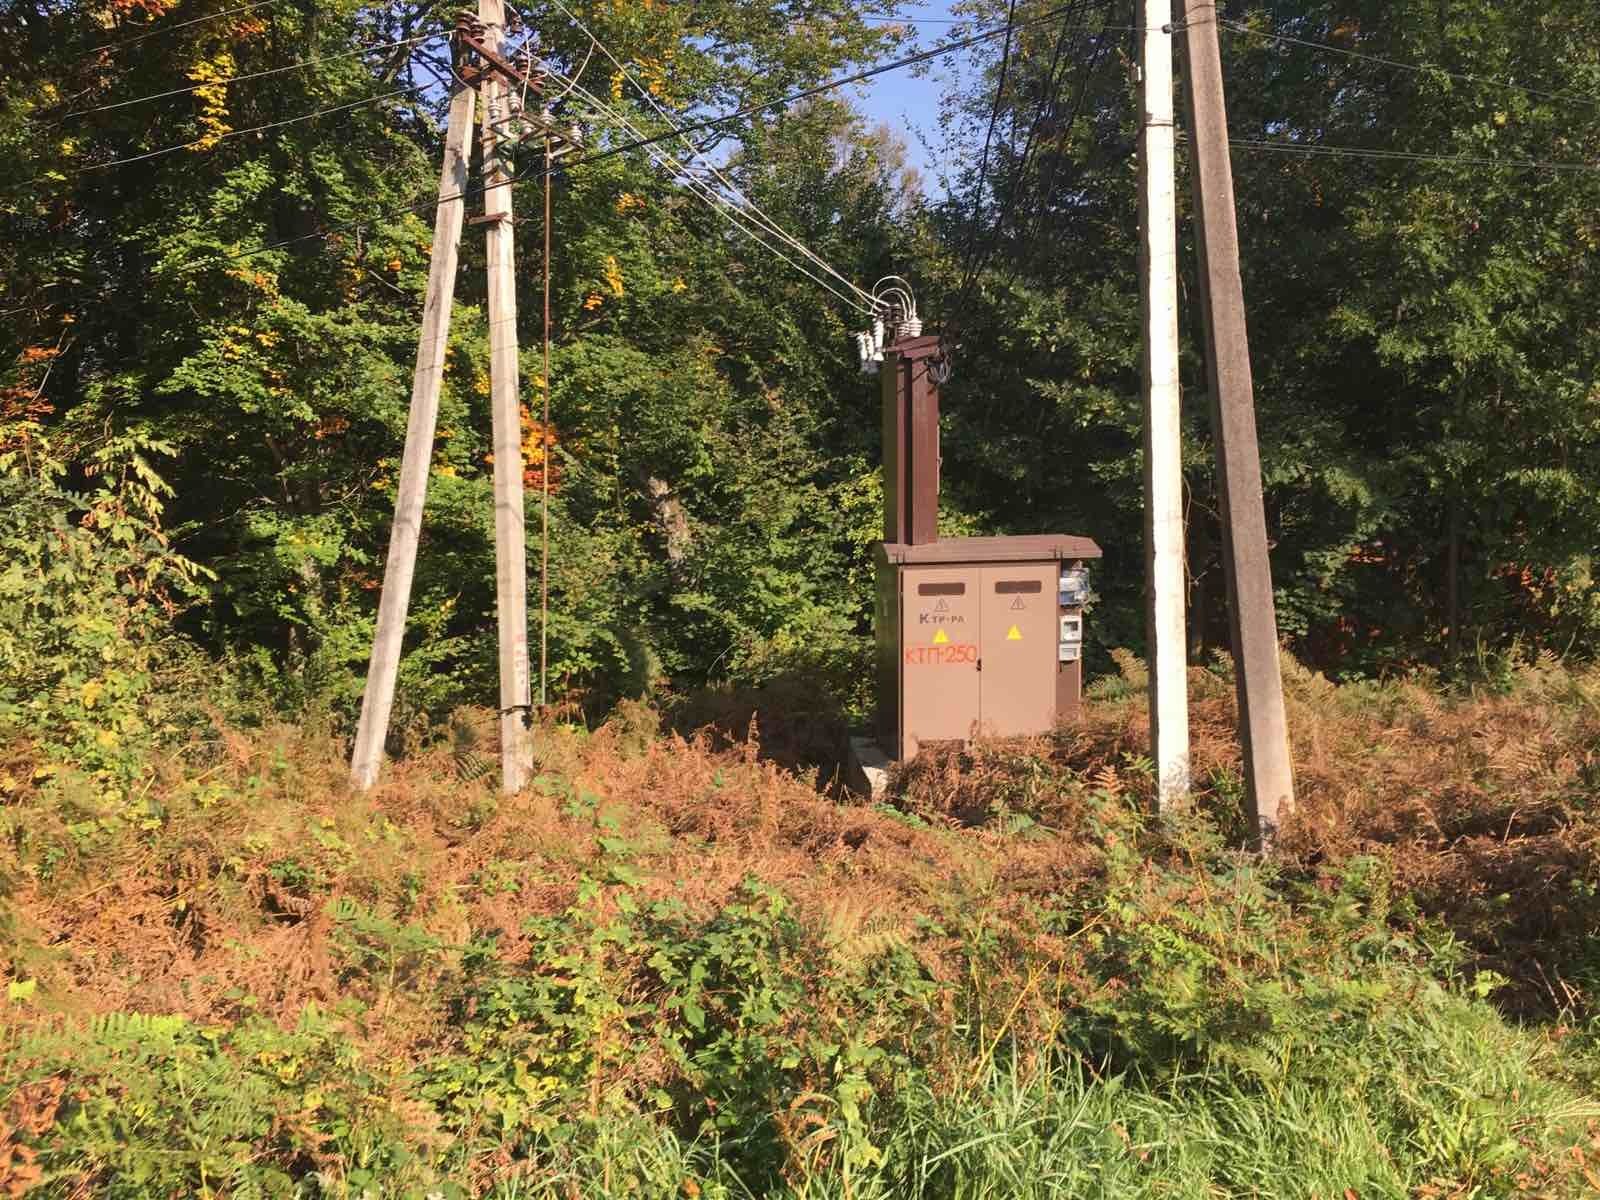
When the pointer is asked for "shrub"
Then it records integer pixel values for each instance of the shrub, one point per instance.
(89, 590)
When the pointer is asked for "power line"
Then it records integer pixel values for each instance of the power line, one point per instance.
(229, 82)
(714, 200)
(696, 127)
(217, 16)
(976, 268)
(1318, 150)
(210, 140)
(754, 209)
(1045, 187)
(971, 255)
(1415, 68)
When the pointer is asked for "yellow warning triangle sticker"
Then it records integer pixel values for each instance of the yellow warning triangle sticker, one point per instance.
(941, 638)
(1014, 635)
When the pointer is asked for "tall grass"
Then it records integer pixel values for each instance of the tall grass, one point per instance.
(1068, 1131)
(672, 968)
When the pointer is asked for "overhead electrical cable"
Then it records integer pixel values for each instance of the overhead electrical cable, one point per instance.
(712, 122)
(754, 210)
(233, 79)
(1319, 150)
(914, 20)
(971, 254)
(720, 204)
(150, 33)
(976, 268)
(713, 199)
(207, 141)
(1085, 82)
(1415, 68)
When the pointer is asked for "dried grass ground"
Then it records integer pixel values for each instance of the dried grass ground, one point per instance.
(238, 887)
(233, 896)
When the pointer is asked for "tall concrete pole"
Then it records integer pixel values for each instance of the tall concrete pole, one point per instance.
(378, 700)
(510, 546)
(1165, 577)
(1263, 726)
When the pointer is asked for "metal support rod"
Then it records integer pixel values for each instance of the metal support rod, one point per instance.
(1263, 725)
(544, 458)
(378, 699)
(1163, 441)
(510, 547)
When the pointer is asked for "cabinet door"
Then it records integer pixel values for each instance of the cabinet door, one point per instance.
(1018, 635)
(939, 654)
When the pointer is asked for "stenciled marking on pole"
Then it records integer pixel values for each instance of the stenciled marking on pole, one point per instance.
(1017, 605)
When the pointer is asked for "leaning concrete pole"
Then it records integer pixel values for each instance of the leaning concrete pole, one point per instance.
(1165, 577)
(1263, 727)
(394, 602)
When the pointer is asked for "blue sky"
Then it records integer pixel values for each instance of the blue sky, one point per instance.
(907, 101)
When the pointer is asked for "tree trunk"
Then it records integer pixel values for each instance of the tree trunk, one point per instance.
(1452, 583)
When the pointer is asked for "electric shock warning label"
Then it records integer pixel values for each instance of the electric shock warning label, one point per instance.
(949, 654)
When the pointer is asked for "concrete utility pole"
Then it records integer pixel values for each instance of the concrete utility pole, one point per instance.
(378, 700)
(489, 71)
(510, 547)
(1165, 577)
(1263, 726)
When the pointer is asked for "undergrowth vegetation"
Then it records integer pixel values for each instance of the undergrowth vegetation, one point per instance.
(674, 967)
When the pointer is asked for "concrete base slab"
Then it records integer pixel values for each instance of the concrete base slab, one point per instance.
(867, 770)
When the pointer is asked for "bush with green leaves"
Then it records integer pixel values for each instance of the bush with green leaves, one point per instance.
(88, 593)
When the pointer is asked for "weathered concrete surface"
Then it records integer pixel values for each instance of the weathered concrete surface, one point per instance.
(866, 772)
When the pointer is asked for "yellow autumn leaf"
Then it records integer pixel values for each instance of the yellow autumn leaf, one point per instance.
(211, 77)
(91, 693)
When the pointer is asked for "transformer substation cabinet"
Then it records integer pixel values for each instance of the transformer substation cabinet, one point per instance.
(975, 636)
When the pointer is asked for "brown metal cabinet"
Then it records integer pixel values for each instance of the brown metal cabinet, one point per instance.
(974, 635)
(971, 637)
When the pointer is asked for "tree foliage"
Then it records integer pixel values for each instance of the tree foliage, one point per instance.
(220, 271)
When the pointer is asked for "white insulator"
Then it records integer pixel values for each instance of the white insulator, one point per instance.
(909, 328)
